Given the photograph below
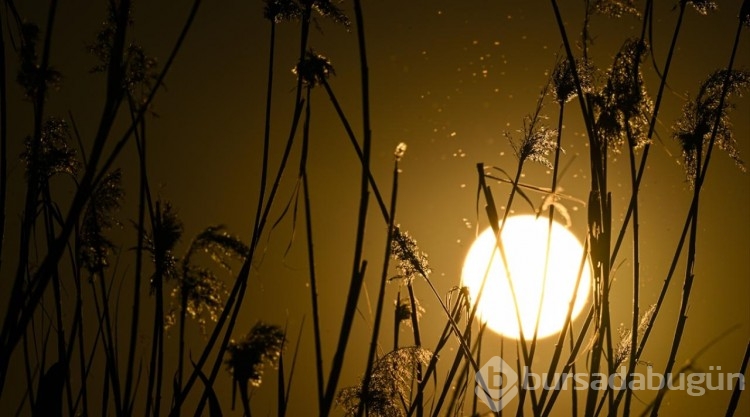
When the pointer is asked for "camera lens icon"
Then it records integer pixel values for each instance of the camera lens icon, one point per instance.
(497, 383)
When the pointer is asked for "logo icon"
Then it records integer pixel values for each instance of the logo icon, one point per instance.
(496, 384)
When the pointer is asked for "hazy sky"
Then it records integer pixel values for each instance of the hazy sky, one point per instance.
(448, 78)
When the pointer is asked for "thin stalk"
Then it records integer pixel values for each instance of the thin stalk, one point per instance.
(17, 297)
(497, 228)
(699, 180)
(311, 255)
(237, 293)
(737, 391)
(573, 394)
(454, 369)
(357, 148)
(549, 405)
(636, 277)
(396, 322)
(110, 346)
(142, 192)
(458, 400)
(346, 326)
(686, 288)
(232, 307)
(442, 341)
(567, 325)
(56, 291)
(27, 370)
(381, 296)
(417, 339)
(651, 129)
(551, 216)
(19, 313)
(181, 346)
(3, 140)
(284, 402)
(358, 272)
(266, 128)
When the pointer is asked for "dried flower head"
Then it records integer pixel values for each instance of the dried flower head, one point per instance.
(404, 310)
(703, 7)
(140, 69)
(314, 69)
(204, 294)
(166, 232)
(390, 384)
(745, 13)
(31, 76)
(537, 142)
(615, 8)
(278, 11)
(624, 346)
(248, 356)
(200, 288)
(400, 151)
(329, 10)
(411, 260)
(51, 154)
(98, 217)
(563, 81)
(623, 108)
(694, 128)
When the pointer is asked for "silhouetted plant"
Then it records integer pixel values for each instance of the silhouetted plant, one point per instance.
(394, 384)
(314, 69)
(694, 129)
(564, 83)
(278, 11)
(94, 246)
(329, 10)
(704, 7)
(412, 261)
(249, 355)
(32, 76)
(51, 154)
(615, 8)
(622, 108)
(199, 290)
(390, 385)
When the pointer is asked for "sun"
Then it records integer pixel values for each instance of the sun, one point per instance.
(524, 240)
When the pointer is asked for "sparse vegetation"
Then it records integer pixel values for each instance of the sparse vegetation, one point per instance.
(94, 294)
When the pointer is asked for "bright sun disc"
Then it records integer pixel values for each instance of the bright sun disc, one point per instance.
(524, 240)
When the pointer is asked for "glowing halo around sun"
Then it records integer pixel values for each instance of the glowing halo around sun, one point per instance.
(525, 241)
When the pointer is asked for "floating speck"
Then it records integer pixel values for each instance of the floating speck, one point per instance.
(453, 134)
